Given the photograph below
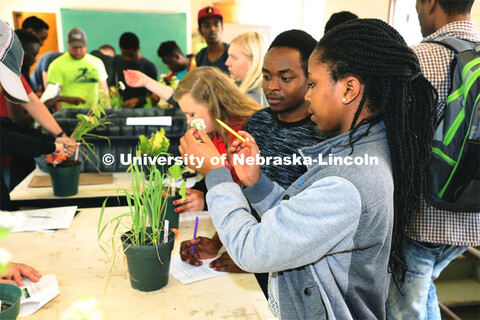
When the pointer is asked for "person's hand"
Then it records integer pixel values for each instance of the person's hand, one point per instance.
(58, 155)
(135, 78)
(52, 105)
(194, 201)
(225, 263)
(73, 100)
(130, 103)
(39, 91)
(70, 145)
(205, 151)
(16, 271)
(248, 174)
(154, 98)
(205, 248)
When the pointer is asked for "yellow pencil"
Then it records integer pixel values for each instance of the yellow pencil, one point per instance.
(231, 131)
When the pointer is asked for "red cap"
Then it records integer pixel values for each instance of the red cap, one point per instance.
(209, 12)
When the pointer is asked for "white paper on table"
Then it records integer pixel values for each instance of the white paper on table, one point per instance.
(187, 273)
(50, 92)
(191, 215)
(149, 121)
(46, 219)
(37, 294)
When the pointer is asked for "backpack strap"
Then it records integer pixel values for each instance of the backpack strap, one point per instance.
(455, 44)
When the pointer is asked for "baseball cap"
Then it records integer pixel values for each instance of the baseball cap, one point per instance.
(76, 38)
(11, 57)
(209, 12)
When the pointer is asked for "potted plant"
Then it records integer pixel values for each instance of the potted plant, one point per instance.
(169, 80)
(145, 235)
(116, 99)
(10, 295)
(155, 146)
(65, 176)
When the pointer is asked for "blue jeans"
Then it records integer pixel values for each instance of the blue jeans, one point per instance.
(425, 262)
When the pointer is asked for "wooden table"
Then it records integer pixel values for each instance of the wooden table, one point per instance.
(81, 268)
(88, 196)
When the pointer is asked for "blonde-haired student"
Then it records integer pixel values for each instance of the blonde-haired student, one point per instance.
(245, 60)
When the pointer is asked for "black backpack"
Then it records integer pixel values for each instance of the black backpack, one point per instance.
(452, 176)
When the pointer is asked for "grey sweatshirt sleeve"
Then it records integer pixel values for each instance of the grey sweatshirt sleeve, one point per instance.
(320, 220)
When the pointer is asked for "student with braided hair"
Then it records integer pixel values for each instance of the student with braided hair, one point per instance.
(332, 237)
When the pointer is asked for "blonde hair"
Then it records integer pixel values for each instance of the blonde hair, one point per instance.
(253, 46)
(223, 99)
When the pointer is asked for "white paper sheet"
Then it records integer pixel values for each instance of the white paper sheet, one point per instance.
(149, 121)
(36, 295)
(51, 92)
(46, 219)
(187, 273)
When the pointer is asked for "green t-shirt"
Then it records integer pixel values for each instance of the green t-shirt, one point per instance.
(78, 78)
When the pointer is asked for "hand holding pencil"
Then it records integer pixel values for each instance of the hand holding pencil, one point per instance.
(248, 174)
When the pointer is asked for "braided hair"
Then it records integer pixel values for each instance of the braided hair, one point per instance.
(396, 93)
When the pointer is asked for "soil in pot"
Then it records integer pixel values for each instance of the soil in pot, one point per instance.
(10, 295)
(5, 306)
(149, 266)
(65, 177)
(67, 163)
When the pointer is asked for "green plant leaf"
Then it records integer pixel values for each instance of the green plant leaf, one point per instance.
(183, 190)
(176, 171)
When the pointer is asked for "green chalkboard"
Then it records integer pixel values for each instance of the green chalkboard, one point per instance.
(106, 27)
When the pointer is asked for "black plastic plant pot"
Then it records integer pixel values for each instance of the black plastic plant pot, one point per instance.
(170, 214)
(149, 266)
(65, 180)
(10, 294)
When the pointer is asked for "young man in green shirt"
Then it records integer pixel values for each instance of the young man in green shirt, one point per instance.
(79, 74)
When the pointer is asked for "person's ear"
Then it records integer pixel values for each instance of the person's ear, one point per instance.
(431, 5)
(352, 88)
(32, 31)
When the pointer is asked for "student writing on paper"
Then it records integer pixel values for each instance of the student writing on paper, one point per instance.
(333, 235)
(280, 130)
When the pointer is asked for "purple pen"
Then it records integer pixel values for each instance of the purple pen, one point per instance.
(195, 233)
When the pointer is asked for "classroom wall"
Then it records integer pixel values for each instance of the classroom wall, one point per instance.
(6, 8)
(279, 15)
(475, 14)
(363, 9)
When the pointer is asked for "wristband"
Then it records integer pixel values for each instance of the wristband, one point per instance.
(60, 134)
